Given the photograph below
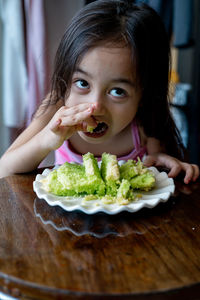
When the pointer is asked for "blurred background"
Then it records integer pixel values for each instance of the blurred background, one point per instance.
(30, 31)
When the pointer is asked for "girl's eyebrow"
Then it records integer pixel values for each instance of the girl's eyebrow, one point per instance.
(115, 80)
(78, 70)
(124, 80)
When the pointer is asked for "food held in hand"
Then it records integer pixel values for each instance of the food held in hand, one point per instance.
(98, 131)
(109, 183)
(90, 129)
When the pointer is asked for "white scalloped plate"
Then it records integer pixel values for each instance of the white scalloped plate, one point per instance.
(162, 191)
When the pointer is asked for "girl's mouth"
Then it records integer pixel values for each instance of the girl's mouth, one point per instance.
(99, 131)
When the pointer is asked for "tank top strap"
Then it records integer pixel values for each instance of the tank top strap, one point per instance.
(135, 135)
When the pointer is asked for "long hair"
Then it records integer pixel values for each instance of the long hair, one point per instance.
(140, 28)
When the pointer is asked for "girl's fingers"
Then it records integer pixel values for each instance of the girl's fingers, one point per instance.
(90, 122)
(79, 117)
(73, 110)
(174, 165)
(196, 172)
(175, 169)
(76, 114)
(192, 173)
(75, 119)
(55, 125)
(189, 172)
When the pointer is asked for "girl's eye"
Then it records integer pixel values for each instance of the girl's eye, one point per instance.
(118, 92)
(82, 84)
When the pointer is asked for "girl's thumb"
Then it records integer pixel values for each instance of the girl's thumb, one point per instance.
(55, 125)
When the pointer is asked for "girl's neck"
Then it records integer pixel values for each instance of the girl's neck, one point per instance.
(121, 144)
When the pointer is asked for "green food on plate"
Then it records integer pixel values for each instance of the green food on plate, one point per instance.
(110, 182)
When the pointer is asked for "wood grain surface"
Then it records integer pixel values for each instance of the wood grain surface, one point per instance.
(48, 253)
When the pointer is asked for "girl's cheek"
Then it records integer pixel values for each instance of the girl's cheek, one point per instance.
(75, 98)
(71, 100)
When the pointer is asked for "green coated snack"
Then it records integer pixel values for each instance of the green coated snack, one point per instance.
(110, 173)
(131, 168)
(63, 181)
(110, 184)
(124, 189)
(144, 182)
(93, 174)
(54, 186)
(138, 175)
(73, 178)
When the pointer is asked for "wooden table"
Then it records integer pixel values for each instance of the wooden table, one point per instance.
(47, 253)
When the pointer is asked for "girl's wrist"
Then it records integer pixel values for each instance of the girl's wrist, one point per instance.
(43, 142)
(48, 140)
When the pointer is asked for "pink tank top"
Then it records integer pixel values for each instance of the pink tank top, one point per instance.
(64, 153)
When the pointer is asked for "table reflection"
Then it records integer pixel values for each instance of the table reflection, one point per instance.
(101, 225)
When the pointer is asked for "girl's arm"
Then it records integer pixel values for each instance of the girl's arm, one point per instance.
(26, 152)
(157, 157)
(46, 132)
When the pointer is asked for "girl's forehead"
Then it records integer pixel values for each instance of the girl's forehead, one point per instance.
(108, 52)
(108, 58)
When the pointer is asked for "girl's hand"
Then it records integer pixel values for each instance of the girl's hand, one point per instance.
(174, 165)
(65, 122)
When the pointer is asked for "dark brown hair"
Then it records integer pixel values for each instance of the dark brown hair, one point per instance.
(139, 26)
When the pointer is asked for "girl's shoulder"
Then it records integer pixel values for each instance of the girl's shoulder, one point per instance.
(151, 143)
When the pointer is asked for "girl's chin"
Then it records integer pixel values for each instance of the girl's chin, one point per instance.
(92, 138)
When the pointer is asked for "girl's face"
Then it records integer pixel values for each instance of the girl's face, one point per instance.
(105, 77)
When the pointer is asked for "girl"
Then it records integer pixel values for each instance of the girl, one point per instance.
(111, 74)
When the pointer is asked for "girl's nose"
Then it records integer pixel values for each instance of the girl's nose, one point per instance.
(99, 105)
(99, 108)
